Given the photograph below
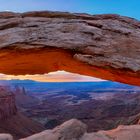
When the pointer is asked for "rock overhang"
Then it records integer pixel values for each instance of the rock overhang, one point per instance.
(104, 46)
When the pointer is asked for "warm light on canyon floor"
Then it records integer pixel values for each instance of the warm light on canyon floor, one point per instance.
(58, 76)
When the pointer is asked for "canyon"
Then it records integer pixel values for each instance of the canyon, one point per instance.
(103, 46)
(98, 105)
(11, 120)
(7, 104)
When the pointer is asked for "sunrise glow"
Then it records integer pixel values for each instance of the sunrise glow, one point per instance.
(59, 76)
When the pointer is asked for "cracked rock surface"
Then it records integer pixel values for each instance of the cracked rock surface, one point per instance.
(108, 43)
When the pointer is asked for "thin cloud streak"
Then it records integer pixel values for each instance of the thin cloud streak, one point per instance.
(59, 76)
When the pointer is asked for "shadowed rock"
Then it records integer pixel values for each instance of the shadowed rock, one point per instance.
(13, 122)
(70, 130)
(75, 130)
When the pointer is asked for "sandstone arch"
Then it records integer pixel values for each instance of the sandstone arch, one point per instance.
(103, 46)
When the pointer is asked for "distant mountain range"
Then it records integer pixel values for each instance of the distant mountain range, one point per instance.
(35, 87)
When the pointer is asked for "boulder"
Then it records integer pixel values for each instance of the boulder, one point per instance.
(6, 137)
(70, 130)
(76, 130)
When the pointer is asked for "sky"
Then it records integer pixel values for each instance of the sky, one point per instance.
(129, 8)
(123, 7)
(58, 76)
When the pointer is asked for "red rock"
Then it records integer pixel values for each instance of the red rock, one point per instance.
(104, 46)
(13, 122)
(7, 104)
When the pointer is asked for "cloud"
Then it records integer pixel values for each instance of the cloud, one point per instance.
(59, 76)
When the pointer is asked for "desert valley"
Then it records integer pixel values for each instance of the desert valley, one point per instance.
(36, 106)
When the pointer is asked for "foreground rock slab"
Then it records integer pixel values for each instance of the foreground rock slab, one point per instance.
(131, 132)
(70, 130)
(104, 46)
(76, 130)
(6, 137)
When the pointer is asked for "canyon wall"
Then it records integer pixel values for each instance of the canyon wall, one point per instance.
(7, 104)
(11, 120)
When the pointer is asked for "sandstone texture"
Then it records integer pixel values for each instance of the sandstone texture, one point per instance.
(76, 130)
(7, 103)
(6, 137)
(70, 130)
(104, 46)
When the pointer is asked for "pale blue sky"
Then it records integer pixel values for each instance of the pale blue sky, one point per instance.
(129, 8)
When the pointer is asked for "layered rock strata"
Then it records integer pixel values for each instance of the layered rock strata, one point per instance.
(103, 46)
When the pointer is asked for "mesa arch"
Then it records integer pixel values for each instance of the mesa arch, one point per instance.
(103, 46)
